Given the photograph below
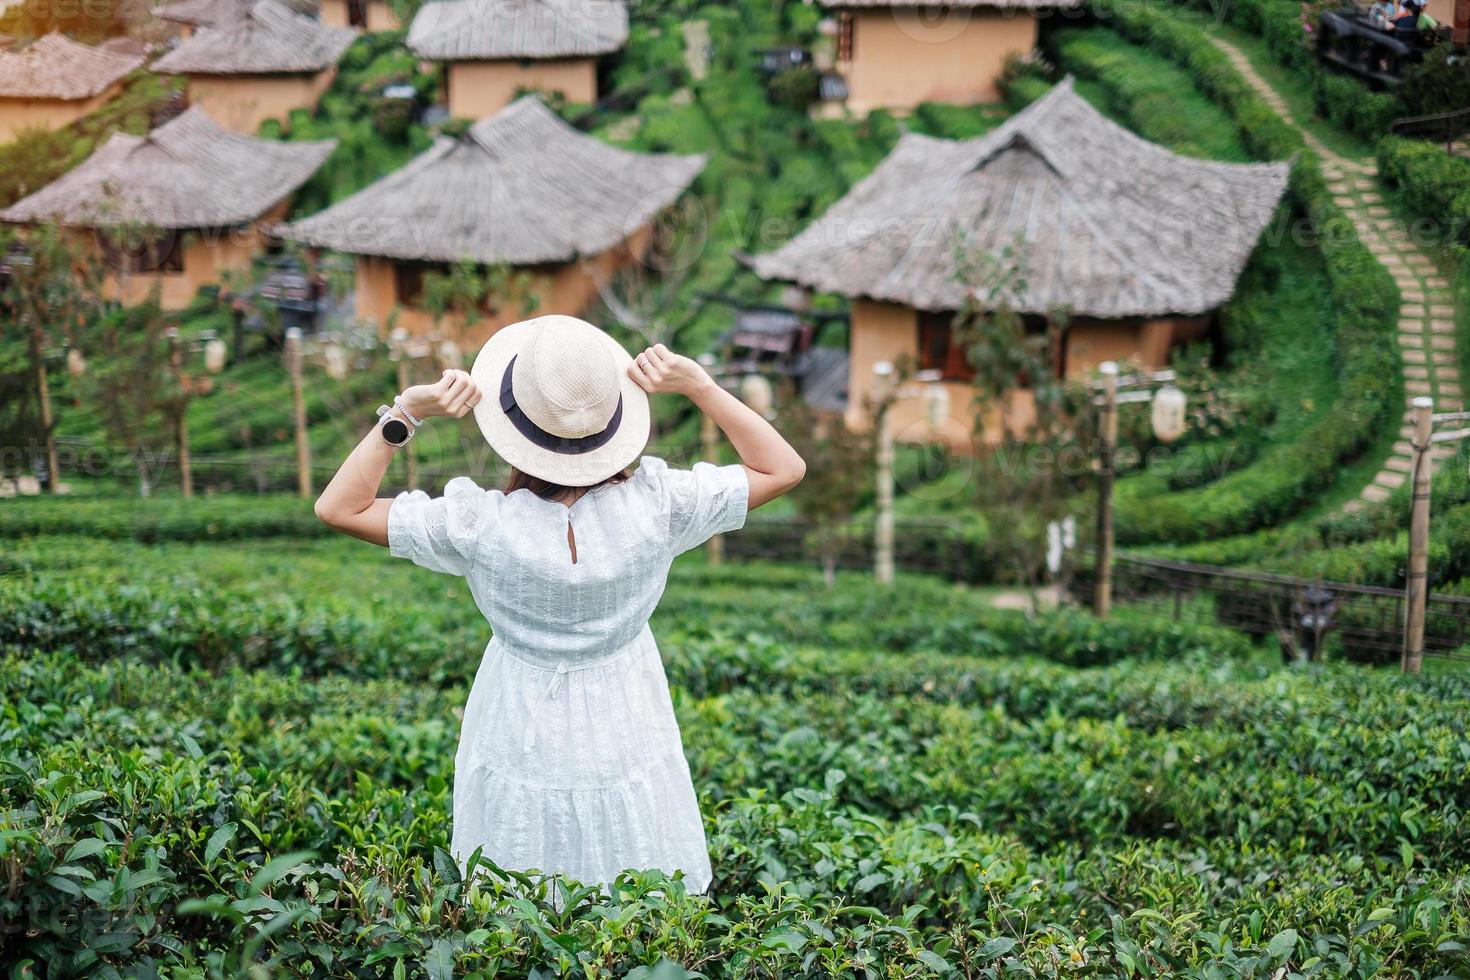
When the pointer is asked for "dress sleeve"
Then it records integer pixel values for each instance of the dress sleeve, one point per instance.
(700, 502)
(442, 534)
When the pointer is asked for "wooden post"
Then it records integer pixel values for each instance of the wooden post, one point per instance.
(43, 396)
(883, 527)
(709, 437)
(410, 460)
(181, 421)
(1417, 587)
(1107, 439)
(298, 412)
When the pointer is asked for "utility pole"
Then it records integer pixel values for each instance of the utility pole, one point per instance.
(1107, 444)
(1169, 423)
(1417, 587)
(43, 396)
(886, 392)
(181, 415)
(883, 524)
(298, 412)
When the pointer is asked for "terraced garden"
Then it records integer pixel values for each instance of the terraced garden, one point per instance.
(231, 754)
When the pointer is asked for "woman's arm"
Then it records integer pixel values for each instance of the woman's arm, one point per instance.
(350, 503)
(771, 465)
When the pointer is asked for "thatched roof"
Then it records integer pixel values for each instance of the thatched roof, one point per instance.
(56, 67)
(521, 187)
(1107, 224)
(485, 30)
(204, 13)
(1001, 4)
(268, 39)
(188, 173)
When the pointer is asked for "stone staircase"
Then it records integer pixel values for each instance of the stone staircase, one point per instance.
(1426, 326)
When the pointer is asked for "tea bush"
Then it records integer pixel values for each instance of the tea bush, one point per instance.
(1286, 476)
(225, 757)
(869, 814)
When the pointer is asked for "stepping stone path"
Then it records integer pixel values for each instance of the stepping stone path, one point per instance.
(1426, 328)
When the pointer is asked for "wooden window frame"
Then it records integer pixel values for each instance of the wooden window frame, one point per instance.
(846, 35)
(938, 349)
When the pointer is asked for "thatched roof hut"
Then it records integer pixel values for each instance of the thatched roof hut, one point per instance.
(490, 30)
(521, 187)
(1109, 225)
(207, 13)
(998, 4)
(189, 173)
(56, 67)
(269, 38)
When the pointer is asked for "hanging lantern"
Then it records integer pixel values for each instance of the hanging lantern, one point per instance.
(1168, 414)
(76, 364)
(1054, 548)
(397, 339)
(936, 405)
(756, 392)
(216, 353)
(334, 357)
(882, 380)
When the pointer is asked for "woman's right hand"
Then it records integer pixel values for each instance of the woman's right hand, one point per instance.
(452, 396)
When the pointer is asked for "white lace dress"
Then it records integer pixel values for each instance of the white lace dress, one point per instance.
(569, 756)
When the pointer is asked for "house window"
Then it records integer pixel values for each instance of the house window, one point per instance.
(846, 35)
(160, 255)
(408, 281)
(357, 13)
(938, 350)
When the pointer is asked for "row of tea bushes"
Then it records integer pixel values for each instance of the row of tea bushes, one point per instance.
(176, 818)
(319, 607)
(1287, 477)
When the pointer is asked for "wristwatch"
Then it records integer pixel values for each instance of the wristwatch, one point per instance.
(396, 432)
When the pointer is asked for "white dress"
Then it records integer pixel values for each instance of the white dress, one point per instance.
(569, 755)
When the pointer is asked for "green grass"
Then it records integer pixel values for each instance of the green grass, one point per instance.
(1292, 88)
(1146, 93)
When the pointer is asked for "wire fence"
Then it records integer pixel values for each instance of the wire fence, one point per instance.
(1359, 622)
(1307, 616)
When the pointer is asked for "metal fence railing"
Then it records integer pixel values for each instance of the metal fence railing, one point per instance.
(1362, 622)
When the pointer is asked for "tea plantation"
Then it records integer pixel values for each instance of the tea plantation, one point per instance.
(234, 757)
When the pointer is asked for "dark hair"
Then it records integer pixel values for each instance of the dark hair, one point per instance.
(547, 490)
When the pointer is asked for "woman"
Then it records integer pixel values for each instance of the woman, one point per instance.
(569, 756)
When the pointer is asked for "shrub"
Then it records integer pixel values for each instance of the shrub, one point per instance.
(1365, 302)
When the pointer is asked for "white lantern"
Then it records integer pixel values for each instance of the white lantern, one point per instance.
(1054, 548)
(397, 339)
(882, 380)
(756, 392)
(936, 404)
(76, 364)
(216, 353)
(1168, 413)
(334, 357)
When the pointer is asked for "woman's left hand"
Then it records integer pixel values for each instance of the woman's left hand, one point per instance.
(451, 396)
(658, 370)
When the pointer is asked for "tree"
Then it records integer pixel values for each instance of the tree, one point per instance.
(49, 288)
(129, 380)
(468, 289)
(1029, 480)
(839, 477)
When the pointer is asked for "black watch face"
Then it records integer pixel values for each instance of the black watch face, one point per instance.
(395, 431)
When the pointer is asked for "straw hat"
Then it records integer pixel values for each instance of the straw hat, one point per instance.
(558, 403)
